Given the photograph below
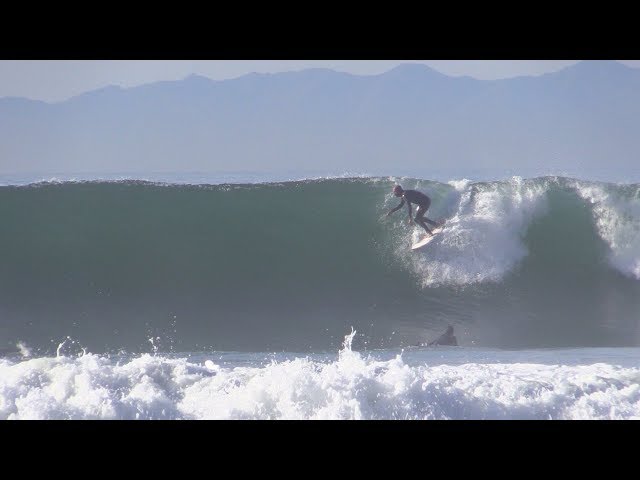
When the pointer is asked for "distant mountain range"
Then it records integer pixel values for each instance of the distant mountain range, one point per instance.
(411, 118)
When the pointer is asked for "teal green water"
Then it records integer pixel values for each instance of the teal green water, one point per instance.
(293, 266)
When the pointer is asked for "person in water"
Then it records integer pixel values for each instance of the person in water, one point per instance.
(420, 199)
(447, 338)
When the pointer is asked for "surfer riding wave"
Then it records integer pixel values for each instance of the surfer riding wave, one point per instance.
(421, 200)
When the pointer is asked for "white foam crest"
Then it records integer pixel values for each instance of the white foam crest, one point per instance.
(353, 386)
(460, 185)
(617, 217)
(93, 387)
(484, 239)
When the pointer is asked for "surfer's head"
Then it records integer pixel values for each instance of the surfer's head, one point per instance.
(449, 330)
(398, 191)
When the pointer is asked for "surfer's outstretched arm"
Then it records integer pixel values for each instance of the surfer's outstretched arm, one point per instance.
(397, 208)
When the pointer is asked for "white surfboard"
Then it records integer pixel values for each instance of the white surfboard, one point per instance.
(427, 239)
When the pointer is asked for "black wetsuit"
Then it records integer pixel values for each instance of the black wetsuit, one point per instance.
(423, 202)
(447, 338)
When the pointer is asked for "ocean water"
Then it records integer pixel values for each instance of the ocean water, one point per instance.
(292, 297)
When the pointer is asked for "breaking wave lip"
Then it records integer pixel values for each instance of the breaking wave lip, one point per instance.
(484, 237)
(352, 386)
(616, 214)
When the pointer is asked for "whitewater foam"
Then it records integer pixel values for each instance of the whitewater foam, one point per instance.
(355, 385)
(484, 238)
(617, 217)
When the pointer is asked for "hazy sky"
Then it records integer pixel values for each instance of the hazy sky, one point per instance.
(57, 80)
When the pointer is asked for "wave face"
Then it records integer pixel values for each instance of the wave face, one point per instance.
(137, 266)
